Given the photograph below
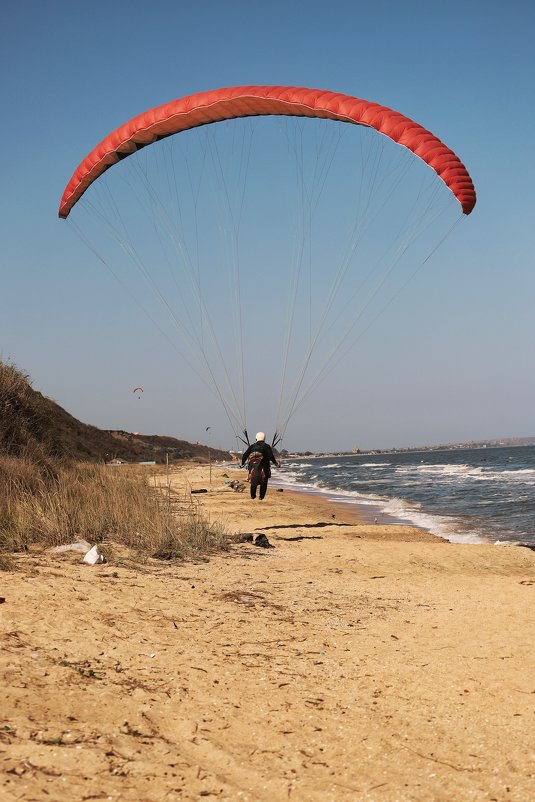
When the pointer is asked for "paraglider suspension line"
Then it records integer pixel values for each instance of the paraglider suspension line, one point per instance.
(246, 441)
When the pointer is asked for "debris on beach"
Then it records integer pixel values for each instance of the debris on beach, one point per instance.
(81, 545)
(245, 537)
(94, 556)
(255, 538)
(236, 485)
(262, 541)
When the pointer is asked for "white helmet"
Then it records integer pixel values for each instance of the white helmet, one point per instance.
(260, 436)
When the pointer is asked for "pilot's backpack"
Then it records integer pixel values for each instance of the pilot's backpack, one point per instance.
(255, 468)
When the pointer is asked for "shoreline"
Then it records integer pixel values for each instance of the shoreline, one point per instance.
(370, 514)
(373, 511)
(351, 661)
(403, 512)
(333, 500)
(350, 513)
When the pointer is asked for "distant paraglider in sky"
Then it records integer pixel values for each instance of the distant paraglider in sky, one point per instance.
(138, 390)
(264, 183)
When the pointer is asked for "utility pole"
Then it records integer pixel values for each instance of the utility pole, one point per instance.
(208, 429)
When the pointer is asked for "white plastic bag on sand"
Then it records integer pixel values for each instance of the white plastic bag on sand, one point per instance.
(93, 557)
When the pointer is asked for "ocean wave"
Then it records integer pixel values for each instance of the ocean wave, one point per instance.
(449, 528)
(394, 509)
(517, 472)
(464, 471)
(471, 499)
(448, 470)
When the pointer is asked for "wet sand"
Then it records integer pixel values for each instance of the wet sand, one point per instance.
(349, 662)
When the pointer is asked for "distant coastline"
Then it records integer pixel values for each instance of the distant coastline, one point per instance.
(505, 442)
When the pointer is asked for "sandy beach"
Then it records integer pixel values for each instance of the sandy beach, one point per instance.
(348, 662)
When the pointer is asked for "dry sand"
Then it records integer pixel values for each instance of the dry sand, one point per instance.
(350, 662)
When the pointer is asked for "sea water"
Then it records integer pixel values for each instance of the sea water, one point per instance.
(471, 495)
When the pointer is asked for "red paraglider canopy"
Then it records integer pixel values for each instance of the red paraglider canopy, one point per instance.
(248, 101)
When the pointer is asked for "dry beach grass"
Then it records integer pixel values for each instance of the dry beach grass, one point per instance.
(65, 502)
(350, 662)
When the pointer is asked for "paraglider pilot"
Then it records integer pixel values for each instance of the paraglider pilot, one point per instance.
(259, 456)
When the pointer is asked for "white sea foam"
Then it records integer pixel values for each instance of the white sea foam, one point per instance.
(473, 473)
(462, 469)
(508, 543)
(518, 472)
(446, 470)
(448, 528)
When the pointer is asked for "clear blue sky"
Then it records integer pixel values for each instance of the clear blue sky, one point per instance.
(452, 360)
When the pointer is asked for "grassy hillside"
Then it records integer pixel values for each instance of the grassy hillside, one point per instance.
(53, 491)
(31, 424)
